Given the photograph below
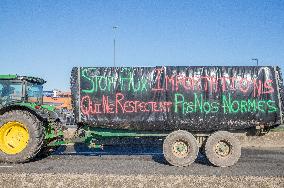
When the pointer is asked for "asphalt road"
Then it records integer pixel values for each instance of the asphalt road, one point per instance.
(147, 160)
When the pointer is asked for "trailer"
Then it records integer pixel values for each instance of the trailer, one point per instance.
(192, 108)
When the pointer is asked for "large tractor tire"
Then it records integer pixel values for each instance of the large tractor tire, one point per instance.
(21, 136)
(180, 148)
(222, 149)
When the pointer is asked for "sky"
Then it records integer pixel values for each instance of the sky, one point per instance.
(47, 38)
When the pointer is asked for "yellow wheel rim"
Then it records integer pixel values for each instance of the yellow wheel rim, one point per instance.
(14, 137)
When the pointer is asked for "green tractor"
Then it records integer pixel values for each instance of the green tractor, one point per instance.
(26, 125)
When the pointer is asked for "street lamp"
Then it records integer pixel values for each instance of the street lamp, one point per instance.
(114, 29)
(255, 59)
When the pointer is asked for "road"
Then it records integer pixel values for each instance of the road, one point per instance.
(147, 160)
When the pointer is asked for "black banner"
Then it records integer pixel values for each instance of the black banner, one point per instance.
(171, 98)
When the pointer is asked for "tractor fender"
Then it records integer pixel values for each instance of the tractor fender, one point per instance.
(40, 114)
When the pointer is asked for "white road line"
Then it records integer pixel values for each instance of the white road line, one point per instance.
(6, 166)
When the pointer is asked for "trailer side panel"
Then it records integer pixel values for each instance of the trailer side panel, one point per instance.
(170, 98)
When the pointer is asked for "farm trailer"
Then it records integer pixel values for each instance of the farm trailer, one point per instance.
(192, 108)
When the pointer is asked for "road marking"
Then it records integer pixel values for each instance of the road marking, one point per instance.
(6, 166)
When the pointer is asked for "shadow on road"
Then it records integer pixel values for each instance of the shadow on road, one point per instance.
(124, 147)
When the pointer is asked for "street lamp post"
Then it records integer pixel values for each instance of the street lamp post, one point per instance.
(114, 29)
(255, 59)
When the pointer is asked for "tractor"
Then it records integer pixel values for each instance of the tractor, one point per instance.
(27, 126)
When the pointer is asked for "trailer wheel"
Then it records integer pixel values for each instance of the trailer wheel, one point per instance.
(222, 149)
(21, 136)
(180, 148)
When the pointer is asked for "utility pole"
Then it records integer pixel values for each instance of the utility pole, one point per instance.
(255, 59)
(114, 30)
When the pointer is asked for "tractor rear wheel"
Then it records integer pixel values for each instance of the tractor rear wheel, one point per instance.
(21, 136)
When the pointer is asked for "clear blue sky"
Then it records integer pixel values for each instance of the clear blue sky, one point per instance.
(47, 38)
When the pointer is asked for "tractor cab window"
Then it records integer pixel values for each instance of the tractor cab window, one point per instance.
(10, 92)
(34, 93)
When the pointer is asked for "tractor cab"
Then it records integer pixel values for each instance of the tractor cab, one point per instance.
(20, 89)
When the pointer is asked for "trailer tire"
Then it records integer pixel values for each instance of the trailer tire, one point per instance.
(21, 136)
(180, 148)
(222, 149)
